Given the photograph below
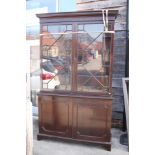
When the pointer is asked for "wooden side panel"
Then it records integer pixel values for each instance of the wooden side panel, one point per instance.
(54, 115)
(92, 119)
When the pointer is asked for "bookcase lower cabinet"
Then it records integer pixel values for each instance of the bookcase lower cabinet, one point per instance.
(75, 118)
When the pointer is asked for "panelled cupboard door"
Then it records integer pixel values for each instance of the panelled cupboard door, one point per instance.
(54, 116)
(92, 120)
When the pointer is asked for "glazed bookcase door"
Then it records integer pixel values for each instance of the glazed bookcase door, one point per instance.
(93, 59)
(56, 54)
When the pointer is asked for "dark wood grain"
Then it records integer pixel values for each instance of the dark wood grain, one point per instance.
(54, 114)
(76, 115)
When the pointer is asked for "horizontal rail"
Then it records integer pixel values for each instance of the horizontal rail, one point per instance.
(108, 32)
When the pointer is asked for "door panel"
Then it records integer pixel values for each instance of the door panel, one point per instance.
(92, 119)
(54, 113)
(56, 52)
(93, 59)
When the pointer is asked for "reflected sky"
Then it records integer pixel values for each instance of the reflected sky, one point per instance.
(34, 4)
(64, 5)
(67, 5)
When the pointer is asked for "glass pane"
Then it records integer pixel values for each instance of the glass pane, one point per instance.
(93, 59)
(90, 27)
(56, 54)
(57, 28)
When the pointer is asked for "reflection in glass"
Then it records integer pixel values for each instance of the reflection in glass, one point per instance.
(56, 53)
(93, 59)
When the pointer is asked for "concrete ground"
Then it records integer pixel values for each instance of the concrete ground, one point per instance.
(51, 147)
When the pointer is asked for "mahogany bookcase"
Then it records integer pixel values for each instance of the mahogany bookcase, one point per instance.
(75, 99)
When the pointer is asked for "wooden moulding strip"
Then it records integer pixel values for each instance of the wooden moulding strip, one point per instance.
(79, 32)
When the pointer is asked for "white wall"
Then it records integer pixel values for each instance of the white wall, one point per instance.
(13, 79)
(31, 18)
